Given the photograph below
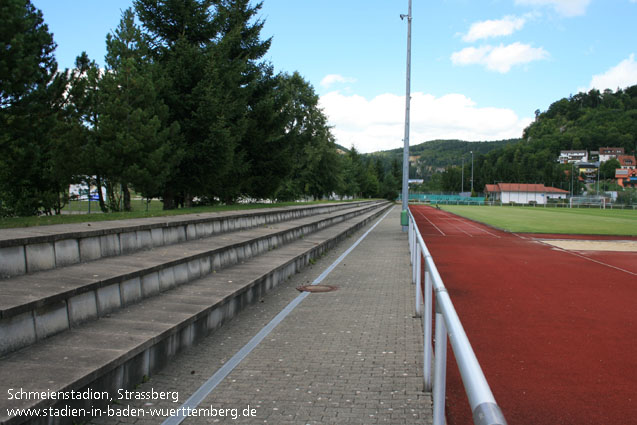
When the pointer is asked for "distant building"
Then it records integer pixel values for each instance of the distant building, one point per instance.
(569, 157)
(522, 193)
(627, 162)
(626, 177)
(606, 154)
(588, 171)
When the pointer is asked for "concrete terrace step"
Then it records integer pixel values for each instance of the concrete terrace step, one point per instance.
(38, 305)
(32, 249)
(116, 352)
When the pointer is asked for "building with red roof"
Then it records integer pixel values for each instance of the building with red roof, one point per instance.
(626, 177)
(523, 193)
(606, 154)
(627, 162)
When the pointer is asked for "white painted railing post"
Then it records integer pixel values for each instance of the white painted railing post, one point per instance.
(413, 259)
(427, 325)
(418, 282)
(411, 240)
(440, 369)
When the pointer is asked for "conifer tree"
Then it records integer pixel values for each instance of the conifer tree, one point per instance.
(181, 34)
(314, 163)
(82, 100)
(250, 110)
(30, 98)
(137, 142)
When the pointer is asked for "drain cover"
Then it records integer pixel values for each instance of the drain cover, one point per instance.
(317, 288)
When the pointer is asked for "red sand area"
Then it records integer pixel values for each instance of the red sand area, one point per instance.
(554, 331)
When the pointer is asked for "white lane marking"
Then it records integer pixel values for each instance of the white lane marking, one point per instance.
(481, 229)
(443, 233)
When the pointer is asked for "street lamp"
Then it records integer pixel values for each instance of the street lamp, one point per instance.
(462, 177)
(404, 222)
(572, 177)
(471, 173)
(599, 163)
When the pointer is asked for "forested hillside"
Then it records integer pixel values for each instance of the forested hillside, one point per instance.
(583, 121)
(443, 153)
(432, 156)
(587, 121)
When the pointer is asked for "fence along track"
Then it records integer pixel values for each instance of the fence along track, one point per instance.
(483, 405)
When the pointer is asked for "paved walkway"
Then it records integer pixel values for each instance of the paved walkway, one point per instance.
(352, 356)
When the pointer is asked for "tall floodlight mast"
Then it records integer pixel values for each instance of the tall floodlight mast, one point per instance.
(405, 195)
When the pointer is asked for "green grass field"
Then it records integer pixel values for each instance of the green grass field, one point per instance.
(582, 221)
(77, 212)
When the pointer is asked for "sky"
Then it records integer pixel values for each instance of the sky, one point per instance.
(480, 68)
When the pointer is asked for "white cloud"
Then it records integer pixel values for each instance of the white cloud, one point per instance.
(494, 28)
(563, 7)
(378, 124)
(499, 58)
(621, 76)
(332, 79)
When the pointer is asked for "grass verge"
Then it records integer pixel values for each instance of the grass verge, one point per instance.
(74, 216)
(583, 221)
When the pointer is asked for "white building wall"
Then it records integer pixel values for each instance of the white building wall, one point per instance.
(523, 197)
(573, 157)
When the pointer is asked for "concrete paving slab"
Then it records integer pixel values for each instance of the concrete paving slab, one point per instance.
(99, 338)
(350, 356)
(61, 355)
(129, 323)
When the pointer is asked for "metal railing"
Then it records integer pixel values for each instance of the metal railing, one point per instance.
(483, 405)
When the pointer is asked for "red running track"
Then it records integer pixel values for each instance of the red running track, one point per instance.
(554, 331)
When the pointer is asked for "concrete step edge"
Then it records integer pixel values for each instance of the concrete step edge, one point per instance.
(125, 370)
(28, 322)
(43, 249)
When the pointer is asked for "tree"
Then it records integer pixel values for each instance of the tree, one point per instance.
(137, 142)
(181, 34)
(268, 149)
(321, 173)
(30, 104)
(350, 167)
(242, 98)
(82, 101)
(388, 187)
(371, 183)
(28, 63)
(354, 173)
(311, 152)
(607, 168)
(451, 179)
(217, 90)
